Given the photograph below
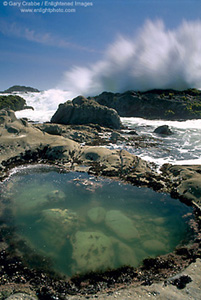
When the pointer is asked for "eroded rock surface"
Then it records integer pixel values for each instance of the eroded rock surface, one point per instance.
(83, 111)
(186, 182)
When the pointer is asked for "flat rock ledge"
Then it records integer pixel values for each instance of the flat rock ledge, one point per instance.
(23, 143)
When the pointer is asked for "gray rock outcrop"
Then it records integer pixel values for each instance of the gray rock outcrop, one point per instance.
(82, 111)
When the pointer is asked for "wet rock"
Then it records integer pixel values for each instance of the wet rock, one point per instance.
(21, 296)
(180, 281)
(92, 251)
(115, 136)
(84, 111)
(163, 130)
(132, 132)
(96, 215)
(121, 225)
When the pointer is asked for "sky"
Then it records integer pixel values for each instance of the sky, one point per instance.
(38, 48)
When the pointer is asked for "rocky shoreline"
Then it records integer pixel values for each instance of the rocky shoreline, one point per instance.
(154, 104)
(76, 148)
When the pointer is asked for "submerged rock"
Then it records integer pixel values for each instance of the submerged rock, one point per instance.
(154, 246)
(96, 215)
(125, 254)
(83, 111)
(56, 225)
(92, 251)
(56, 196)
(60, 219)
(121, 225)
(31, 199)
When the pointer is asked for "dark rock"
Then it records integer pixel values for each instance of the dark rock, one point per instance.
(132, 132)
(21, 88)
(12, 102)
(154, 104)
(164, 130)
(115, 136)
(28, 107)
(82, 111)
(181, 282)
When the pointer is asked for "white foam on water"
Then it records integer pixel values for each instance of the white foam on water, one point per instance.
(182, 147)
(45, 104)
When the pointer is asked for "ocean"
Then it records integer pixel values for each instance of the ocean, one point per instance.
(182, 147)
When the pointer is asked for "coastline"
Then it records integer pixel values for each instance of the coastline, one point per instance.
(23, 143)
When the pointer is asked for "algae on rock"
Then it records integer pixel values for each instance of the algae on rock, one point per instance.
(92, 251)
(57, 225)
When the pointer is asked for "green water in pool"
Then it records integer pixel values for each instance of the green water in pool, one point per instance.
(81, 223)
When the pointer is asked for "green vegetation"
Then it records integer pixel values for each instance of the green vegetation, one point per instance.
(193, 92)
(171, 95)
(194, 108)
(12, 101)
(169, 113)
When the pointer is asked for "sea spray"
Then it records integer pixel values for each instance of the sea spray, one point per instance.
(155, 58)
(44, 104)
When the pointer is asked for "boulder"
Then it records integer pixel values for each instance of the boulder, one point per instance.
(82, 111)
(163, 130)
(96, 215)
(121, 225)
(92, 251)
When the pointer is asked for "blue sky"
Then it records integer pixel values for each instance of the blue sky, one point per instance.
(37, 48)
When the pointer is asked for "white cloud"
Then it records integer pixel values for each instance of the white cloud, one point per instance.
(45, 38)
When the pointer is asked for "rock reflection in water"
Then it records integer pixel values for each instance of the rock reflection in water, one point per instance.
(85, 224)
